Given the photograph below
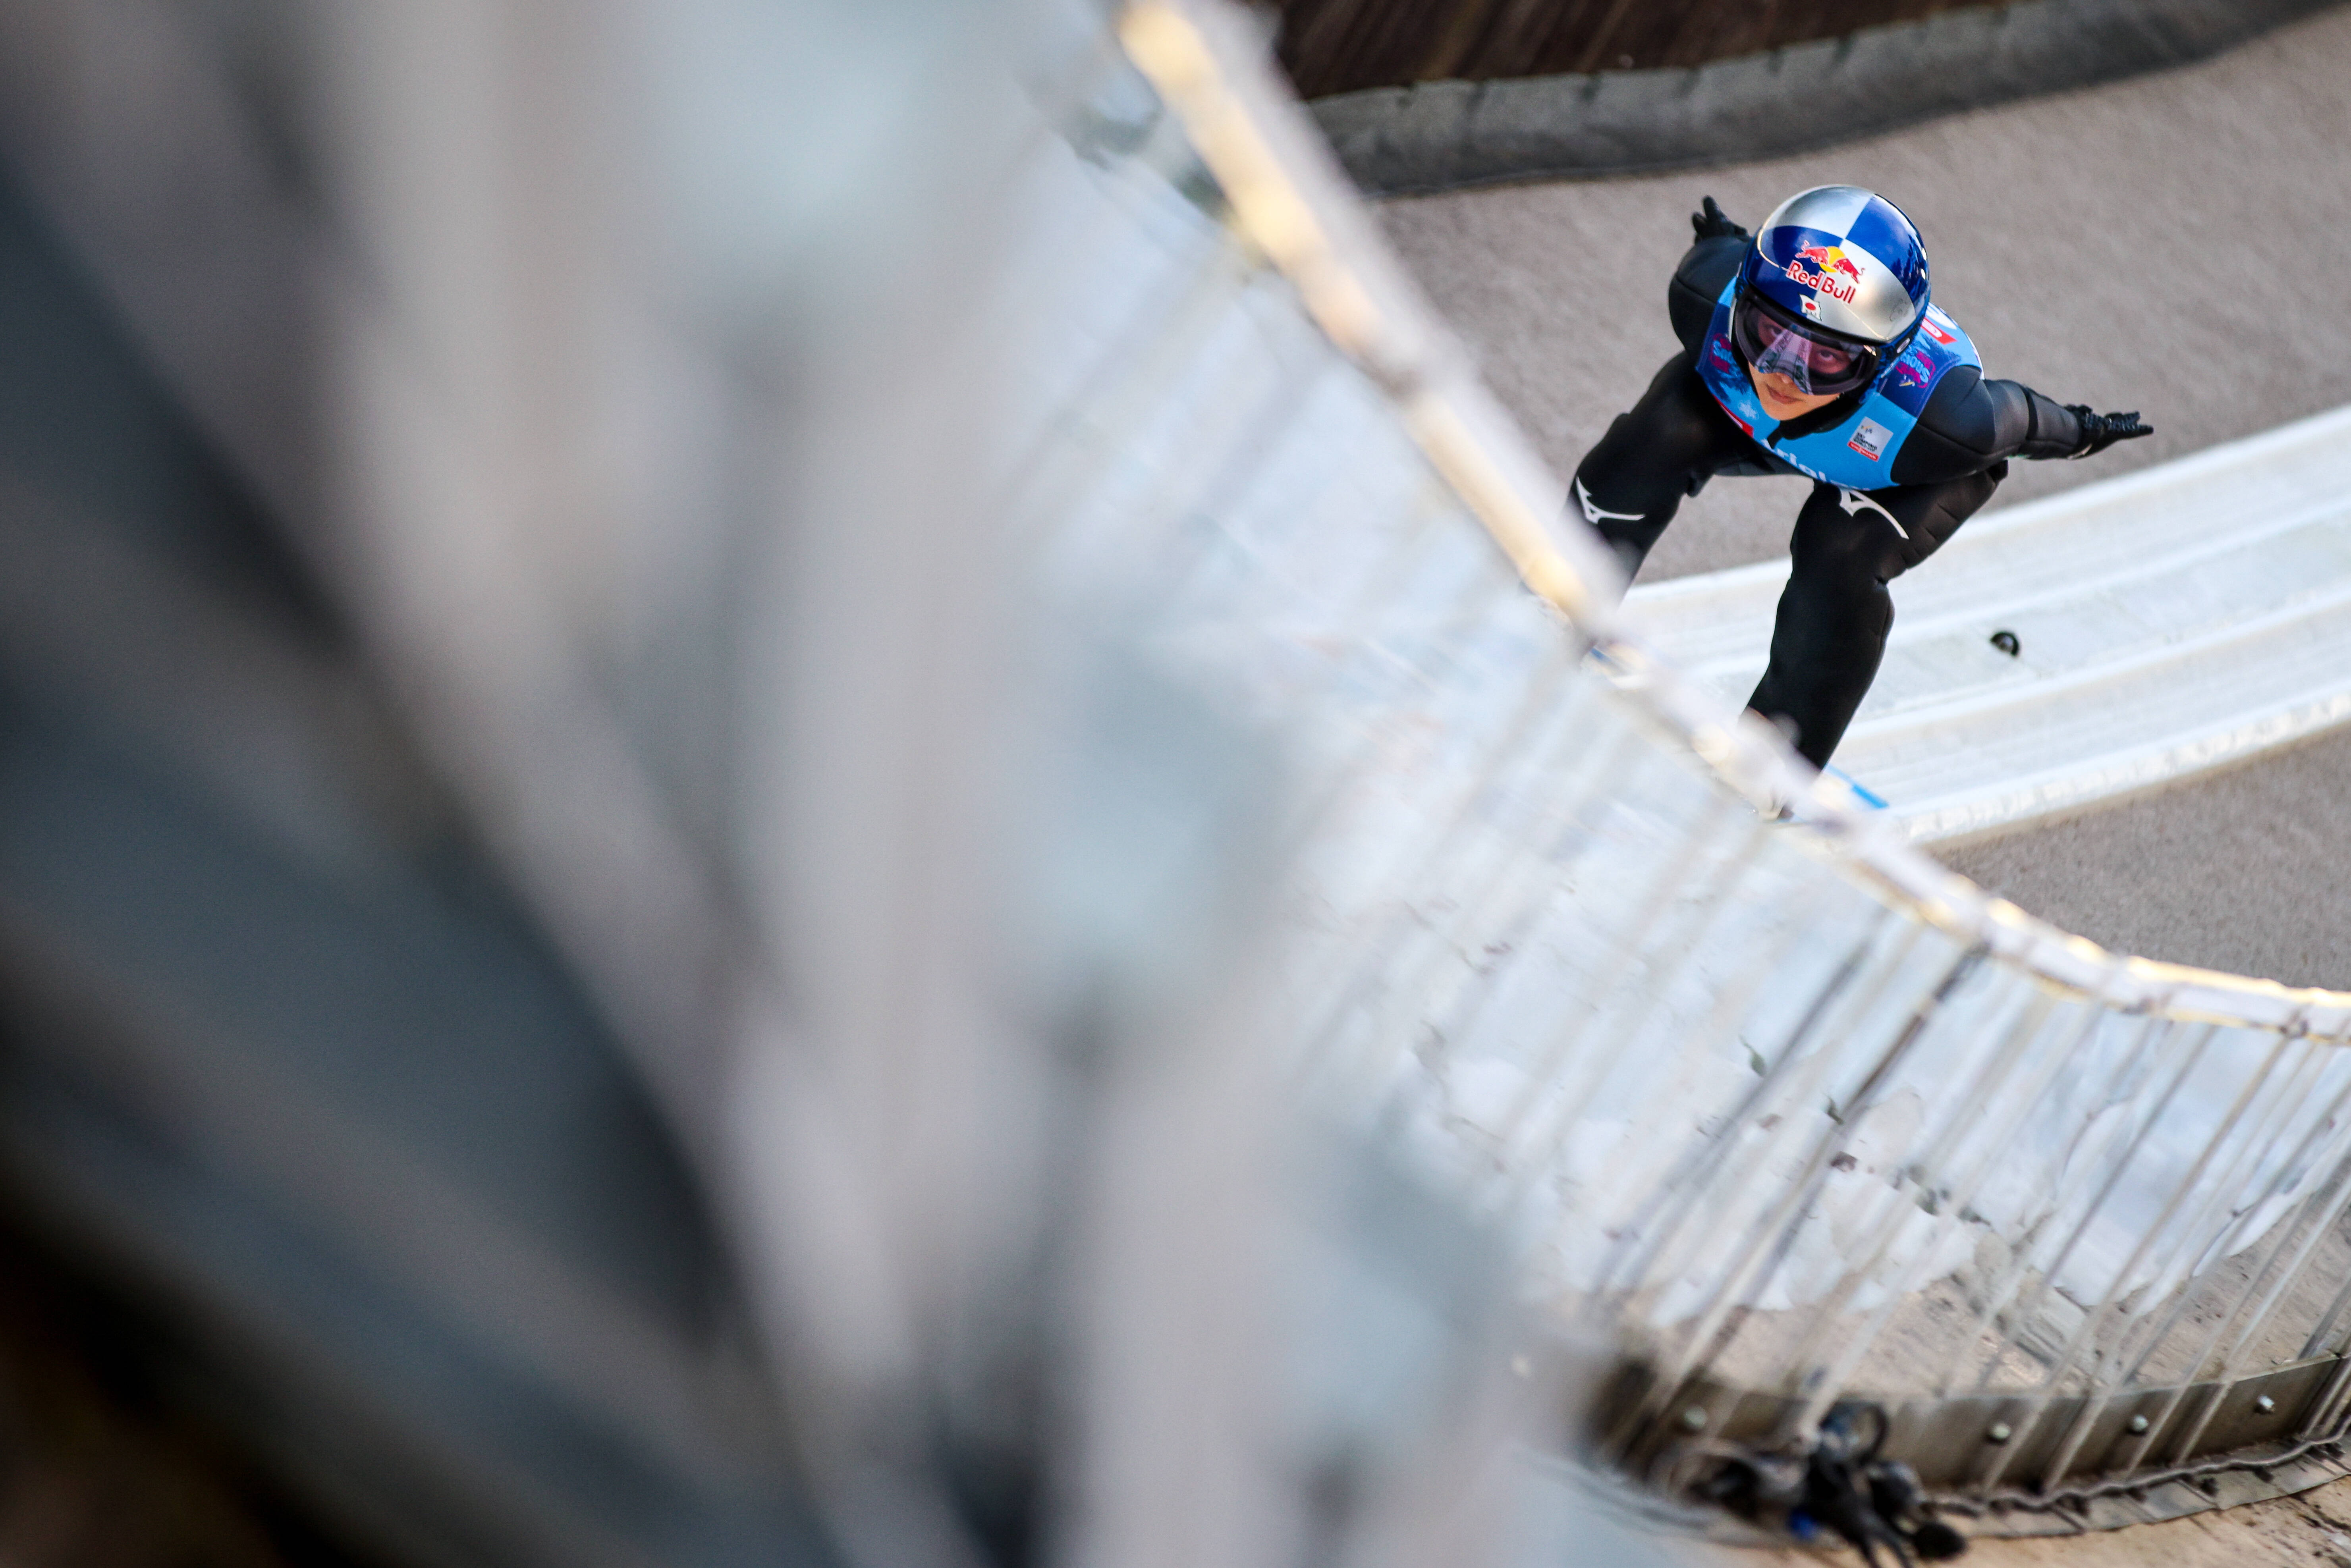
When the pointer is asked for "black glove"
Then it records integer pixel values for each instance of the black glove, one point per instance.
(1710, 223)
(2100, 431)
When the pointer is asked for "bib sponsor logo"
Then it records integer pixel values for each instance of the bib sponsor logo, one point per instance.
(1936, 327)
(1870, 440)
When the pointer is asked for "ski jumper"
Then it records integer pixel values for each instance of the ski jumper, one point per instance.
(1897, 466)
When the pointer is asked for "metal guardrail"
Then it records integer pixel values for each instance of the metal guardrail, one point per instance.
(1784, 1115)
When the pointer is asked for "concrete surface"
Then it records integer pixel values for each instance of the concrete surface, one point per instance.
(2249, 870)
(2168, 244)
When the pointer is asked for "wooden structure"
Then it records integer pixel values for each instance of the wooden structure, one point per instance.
(1340, 45)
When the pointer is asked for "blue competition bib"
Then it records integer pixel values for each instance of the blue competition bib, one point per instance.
(1859, 453)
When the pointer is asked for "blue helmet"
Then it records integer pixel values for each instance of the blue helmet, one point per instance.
(1845, 259)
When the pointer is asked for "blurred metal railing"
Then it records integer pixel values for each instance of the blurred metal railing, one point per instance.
(1782, 1114)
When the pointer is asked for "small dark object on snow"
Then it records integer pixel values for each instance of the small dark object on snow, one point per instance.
(2007, 643)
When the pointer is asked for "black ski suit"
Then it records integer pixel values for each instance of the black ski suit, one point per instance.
(1836, 613)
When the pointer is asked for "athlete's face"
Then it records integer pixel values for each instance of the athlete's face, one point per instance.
(1794, 370)
(1784, 400)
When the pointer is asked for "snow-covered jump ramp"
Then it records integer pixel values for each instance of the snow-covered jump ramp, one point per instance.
(2168, 622)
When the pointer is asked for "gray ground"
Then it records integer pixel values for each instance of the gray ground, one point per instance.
(2244, 870)
(2172, 244)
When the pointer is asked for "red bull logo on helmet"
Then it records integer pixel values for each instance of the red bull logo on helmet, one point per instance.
(1825, 269)
(1830, 258)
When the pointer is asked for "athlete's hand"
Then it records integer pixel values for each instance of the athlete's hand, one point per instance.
(2100, 431)
(1710, 223)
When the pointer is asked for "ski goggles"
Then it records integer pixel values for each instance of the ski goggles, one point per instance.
(1774, 343)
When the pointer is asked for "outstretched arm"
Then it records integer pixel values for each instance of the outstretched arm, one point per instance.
(1971, 423)
(2067, 429)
